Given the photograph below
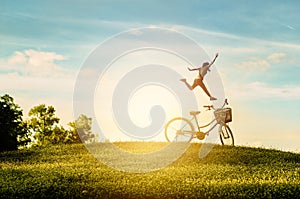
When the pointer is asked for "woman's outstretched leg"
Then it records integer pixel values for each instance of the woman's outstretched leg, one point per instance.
(187, 84)
(202, 85)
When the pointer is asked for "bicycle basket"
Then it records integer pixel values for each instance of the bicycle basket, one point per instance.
(223, 115)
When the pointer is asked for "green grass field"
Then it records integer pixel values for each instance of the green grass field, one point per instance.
(70, 171)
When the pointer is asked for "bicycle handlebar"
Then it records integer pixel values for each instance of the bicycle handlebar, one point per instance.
(209, 107)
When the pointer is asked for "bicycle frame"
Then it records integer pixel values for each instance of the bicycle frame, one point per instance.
(197, 123)
(206, 125)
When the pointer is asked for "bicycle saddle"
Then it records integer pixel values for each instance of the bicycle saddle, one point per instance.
(193, 113)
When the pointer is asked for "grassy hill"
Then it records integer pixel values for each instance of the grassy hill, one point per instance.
(70, 171)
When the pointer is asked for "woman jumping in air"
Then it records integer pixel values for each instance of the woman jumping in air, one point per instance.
(199, 79)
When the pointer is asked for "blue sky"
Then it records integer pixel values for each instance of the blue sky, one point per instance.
(44, 43)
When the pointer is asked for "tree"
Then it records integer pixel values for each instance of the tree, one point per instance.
(58, 136)
(46, 130)
(13, 131)
(43, 123)
(81, 130)
(73, 136)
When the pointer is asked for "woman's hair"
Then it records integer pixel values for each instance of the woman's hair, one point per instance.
(205, 64)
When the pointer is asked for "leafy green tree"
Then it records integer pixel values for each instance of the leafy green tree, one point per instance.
(43, 122)
(73, 136)
(81, 130)
(46, 130)
(58, 136)
(13, 131)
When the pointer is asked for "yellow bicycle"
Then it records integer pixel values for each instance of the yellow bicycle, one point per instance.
(181, 129)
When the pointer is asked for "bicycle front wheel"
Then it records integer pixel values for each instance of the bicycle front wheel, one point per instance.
(226, 135)
(179, 130)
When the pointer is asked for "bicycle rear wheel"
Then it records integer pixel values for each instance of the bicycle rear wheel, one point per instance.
(226, 135)
(179, 130)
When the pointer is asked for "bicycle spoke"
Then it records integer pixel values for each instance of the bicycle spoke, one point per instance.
(179, 130)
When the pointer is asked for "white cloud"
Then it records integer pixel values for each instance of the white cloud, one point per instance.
(276, 57)
(17, 58)
(35, 64)
(254, 64)
(258, 64)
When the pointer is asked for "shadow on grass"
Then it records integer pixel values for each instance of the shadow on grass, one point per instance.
(18, 155)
